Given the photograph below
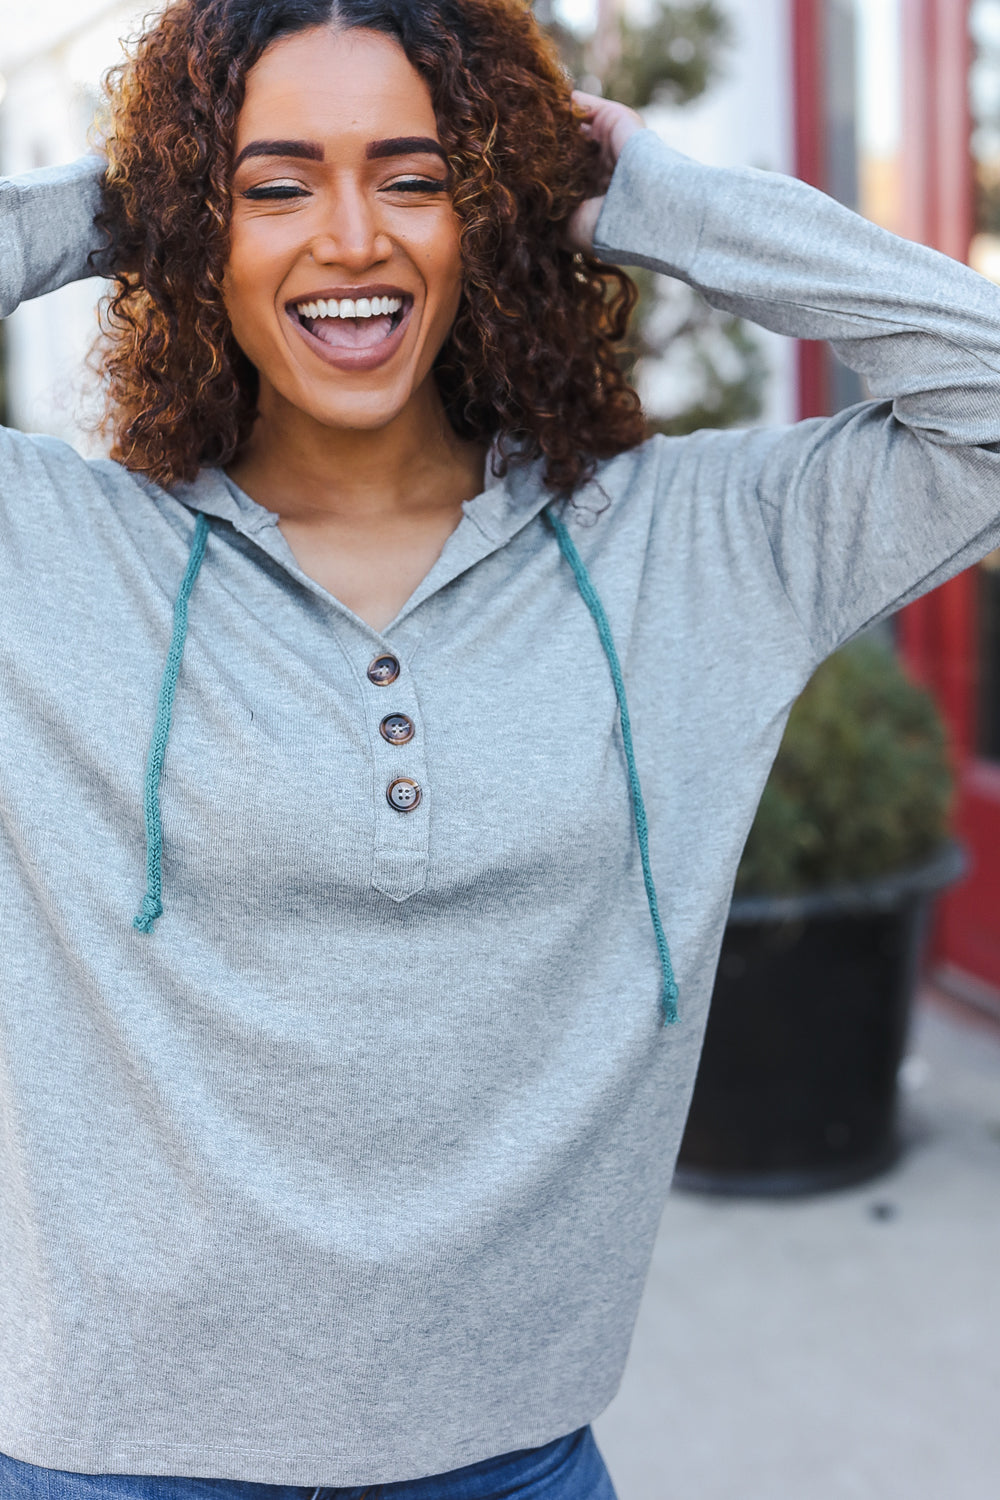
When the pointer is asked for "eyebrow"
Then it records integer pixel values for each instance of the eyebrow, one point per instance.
(308, 150)
(400, 145)
(405, 145)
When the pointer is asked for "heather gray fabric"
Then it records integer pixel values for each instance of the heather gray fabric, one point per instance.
(350, 1171)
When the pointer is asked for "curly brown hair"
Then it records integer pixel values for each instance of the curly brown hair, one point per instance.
(531, 356)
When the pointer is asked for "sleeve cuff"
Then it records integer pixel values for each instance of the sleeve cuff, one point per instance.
(47, 229)
(654, 209)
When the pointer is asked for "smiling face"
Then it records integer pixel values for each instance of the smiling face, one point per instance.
(344, 271)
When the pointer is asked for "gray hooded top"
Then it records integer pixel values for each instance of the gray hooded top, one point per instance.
(349, 1170)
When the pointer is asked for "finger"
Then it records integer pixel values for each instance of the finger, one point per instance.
(583, 223)
(589, 103)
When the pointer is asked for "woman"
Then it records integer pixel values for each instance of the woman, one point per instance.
(337, 1169)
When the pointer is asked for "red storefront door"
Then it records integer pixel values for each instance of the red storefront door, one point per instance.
(949, 192)
(951, 639)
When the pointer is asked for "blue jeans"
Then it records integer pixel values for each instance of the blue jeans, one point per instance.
(571, 1468)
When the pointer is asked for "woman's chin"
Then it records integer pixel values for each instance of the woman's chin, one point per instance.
(292, 396)
(356, 411)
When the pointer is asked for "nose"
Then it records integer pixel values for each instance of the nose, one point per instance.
(351, 235)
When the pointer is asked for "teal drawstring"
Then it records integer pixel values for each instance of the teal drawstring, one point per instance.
(592, 600)
(152, 907)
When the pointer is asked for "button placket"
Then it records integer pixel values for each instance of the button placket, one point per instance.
(401, 813)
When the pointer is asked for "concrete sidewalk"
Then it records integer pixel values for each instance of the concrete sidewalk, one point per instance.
(842, 1347)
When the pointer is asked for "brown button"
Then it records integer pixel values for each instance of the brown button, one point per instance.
(383, 670)
(403, 794)
(397, 729)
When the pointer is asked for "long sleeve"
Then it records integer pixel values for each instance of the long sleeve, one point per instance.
(47, 229)
(869, 508)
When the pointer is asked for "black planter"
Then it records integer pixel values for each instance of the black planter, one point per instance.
(796, 1089)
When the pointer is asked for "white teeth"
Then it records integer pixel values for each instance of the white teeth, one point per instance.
(349, 307)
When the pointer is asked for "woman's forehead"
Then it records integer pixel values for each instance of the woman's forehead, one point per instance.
(327, 84)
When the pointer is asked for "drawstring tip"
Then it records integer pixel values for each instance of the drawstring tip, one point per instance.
(151, 909)
(670, 997)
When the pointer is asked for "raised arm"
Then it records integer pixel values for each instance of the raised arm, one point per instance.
(47, 229)
(869, 508)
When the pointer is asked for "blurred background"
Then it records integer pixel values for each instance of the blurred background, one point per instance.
(821, 1324)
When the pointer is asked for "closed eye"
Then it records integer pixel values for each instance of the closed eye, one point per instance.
(274, 190)
(417, 185)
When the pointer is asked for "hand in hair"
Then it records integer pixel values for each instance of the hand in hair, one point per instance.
(608, 124)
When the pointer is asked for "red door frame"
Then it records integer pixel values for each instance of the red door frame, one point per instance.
(809, 155)
(937, 635)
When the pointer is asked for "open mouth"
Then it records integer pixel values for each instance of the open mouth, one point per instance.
(353, 323)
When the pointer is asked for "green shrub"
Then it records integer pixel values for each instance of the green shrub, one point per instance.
(861, 786)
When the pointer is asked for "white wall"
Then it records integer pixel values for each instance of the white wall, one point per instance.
(52, 56)
(745, 120)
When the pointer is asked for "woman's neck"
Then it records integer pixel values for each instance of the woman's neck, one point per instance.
(310, 473)
(365, 514)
